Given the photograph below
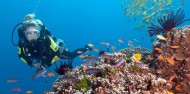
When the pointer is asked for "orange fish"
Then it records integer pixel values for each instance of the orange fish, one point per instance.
(50, 74)
(161, 58)
(171, 61)
(29, 92)
(177, 88)
(175, 47)
(149, 57)
(82, 56)
(119, 40)
(84, 68)
(158, 49)
(113, 48)
(96, 50)
(90, 44)
(105, 43)
(79, 52)
(170, 79)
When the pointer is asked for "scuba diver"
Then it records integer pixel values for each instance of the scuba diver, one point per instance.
(38, 48)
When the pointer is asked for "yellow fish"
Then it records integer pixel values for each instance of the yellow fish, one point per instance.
(161, 37)
(161, 58)
(171, 61)
(136, 57)
(170, 92)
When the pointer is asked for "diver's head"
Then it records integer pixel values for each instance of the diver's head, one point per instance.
(29, 17)
(32, 30)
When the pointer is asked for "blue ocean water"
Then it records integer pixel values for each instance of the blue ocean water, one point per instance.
(77, 22)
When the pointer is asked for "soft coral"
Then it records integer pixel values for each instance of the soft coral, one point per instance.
(167, 23)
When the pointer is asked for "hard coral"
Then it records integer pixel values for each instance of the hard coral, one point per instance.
(176, 61)
(115, 79)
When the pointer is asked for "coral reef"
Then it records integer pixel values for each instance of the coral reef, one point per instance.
(117, 73)
(107, 78)
(173, 60)
(129, 52)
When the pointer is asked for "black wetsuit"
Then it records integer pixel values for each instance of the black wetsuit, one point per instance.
(43, 49)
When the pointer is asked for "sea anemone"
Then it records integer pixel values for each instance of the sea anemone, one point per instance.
(167, 23)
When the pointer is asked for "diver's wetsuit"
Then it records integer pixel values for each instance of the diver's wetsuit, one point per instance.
(44, 49)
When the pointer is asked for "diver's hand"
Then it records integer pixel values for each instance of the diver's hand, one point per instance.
(38, 66)
(60, 49)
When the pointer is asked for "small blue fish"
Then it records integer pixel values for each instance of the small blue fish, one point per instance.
(39, 73)
(120, 61)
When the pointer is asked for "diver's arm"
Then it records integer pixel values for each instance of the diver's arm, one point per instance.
(72, 54)
(49, 42)
(51, 48)
(23, 57)
(76, 52)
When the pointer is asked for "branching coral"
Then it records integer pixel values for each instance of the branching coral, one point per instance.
(113, 79)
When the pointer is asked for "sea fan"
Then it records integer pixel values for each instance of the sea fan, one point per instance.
(167, 23)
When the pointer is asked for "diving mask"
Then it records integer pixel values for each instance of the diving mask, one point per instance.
(32, 34)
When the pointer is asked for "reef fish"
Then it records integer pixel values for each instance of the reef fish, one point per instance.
(90, 58)
(171, 61)
(12, 80)
(50, 74)
(90, 45)
(158, 49)
(120, 61)
(142, 65)
(39, 73)
(170, 92)
(92, 70)
(104, 56)
(175, 47)
(161, 37)
(65, 78)
(16, 89)
(136, 57)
